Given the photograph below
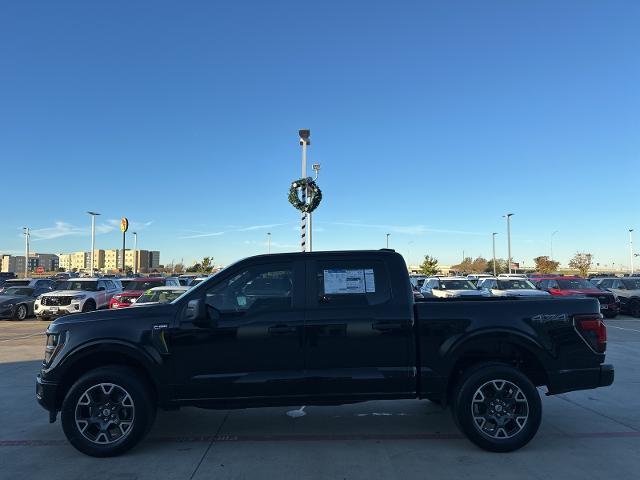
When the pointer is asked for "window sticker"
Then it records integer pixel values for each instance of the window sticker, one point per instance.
(343, 281)
(369, 280)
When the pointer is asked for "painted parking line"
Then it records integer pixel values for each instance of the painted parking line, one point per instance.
(22, 337)
(622, 328)
(313, 438)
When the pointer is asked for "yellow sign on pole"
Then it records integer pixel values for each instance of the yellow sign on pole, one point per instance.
(124, 224)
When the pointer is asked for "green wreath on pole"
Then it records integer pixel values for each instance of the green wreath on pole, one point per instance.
(314, 195)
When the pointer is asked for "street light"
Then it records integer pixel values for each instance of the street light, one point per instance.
(508, 217)
(135, 253)
(388, 239)
(269, 242)
(552, 243)
(494, 252)
(27, 234)
(631, 248)
(93, 239)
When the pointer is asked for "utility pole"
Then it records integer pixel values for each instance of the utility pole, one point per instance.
(135, 253)
(552, 243)
(631, 248)
(388, 239)
(93, 240)
(269, 242)
(508, 217)
(494, 252)
(27, 234)
(304, 141)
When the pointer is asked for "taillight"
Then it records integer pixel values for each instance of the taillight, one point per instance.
(593, 330)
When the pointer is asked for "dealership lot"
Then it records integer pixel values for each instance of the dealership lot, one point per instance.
(591, 434)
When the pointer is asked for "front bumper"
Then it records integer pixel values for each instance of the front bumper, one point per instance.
(580, 379)
(57, 311)
(46, 394)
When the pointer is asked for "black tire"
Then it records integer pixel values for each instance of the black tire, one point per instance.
(634, 308)
(509, 405)
(21, 312)
(139, 413)
(610, 315)
(89, 306)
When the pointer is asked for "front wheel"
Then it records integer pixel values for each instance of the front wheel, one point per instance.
(21, 312)
(497, 408)
(89, 306)
(107, 411)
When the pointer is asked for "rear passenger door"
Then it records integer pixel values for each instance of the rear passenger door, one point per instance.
(358, 331)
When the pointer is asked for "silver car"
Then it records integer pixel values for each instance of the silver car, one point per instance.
(627, 290)
(450, 287)
(511, 287)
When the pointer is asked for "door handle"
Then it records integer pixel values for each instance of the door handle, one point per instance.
(282, 330)
(388, 326)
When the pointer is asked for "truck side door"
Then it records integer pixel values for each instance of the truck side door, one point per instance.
(256, 349)
(358, 330)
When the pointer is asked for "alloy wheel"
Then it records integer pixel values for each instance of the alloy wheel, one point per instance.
(499, 409)
(105, 413)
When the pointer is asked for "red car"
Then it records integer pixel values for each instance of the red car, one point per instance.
(132, 288)
(563, 286)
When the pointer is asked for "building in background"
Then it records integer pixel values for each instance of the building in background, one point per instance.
(15, 263)
(109, 261)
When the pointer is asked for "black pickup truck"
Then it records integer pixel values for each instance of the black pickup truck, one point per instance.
(324, 328)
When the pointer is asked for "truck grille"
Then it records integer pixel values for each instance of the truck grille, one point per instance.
(56, 301)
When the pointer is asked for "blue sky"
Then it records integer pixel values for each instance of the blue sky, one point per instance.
(430, 120)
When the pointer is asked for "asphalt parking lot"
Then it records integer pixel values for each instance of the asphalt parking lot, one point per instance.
(584, 435)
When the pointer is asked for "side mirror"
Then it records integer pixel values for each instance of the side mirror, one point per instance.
(200, 314)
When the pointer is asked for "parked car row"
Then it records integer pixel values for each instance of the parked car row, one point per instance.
(614, 294)
(48, 298)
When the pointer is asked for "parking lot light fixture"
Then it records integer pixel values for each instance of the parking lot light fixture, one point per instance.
(631, 248)
(508, 217)
(269, 243)
(93, 240)
(27, 235)
(494, 252)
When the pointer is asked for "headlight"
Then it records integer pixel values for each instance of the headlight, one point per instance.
(39, 298)
(79, 297)
(55, 342)
(116, 298)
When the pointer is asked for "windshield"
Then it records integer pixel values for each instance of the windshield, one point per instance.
(18, 291)
(575, 284)
(138, 285)
(78, 285)
(515, 284)
(632, 283)
(456, 285)
(159, 296)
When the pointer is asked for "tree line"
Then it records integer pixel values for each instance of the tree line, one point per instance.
(543, 264)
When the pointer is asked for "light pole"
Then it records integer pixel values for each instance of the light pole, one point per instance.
(27, 234)
(93, 239)
(304, 141)
(631, 248)
(552, 243)
(494, 252)
(508, 217)
(135, 253)
(269, 242)
(388, 239)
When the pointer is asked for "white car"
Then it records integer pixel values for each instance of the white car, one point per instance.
(511, 287)
(450, 287)
(77, 295)
(157, 295)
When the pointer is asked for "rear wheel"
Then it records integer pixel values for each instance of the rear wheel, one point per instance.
(107, 411)
(497, 408)
(21, 312)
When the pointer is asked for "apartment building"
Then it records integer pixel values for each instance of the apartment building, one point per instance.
(15, 263)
